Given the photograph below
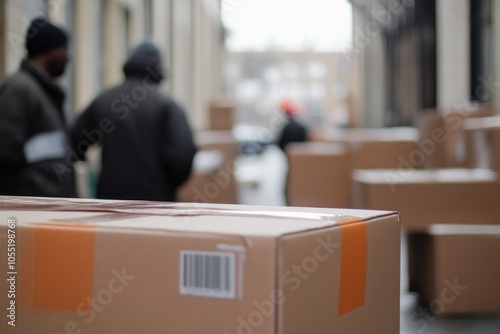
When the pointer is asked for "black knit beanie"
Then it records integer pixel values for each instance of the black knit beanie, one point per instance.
(42, 36)
(145, 60)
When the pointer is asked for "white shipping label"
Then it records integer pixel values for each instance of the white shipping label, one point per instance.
(207, 274)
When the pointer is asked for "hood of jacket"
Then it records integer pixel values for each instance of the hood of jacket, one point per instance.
(145, 60)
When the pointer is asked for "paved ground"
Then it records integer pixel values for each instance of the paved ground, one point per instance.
(263, 183)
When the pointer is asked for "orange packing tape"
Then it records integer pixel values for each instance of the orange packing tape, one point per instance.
(57, 266)
(353, 267)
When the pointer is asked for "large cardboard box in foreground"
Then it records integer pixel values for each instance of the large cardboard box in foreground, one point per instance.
(459, 269)
(143, 267)
(425, 197)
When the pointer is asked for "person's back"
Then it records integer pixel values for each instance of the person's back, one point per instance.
(33, 137)
(147, 145)
(292, 132)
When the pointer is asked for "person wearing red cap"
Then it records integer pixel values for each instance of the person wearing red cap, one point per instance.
(33, 136)
(293, 131)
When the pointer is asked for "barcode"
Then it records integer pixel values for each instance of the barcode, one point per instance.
(208, 274)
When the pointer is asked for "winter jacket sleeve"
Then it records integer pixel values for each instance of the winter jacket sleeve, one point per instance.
(179, 149)
(14, 126)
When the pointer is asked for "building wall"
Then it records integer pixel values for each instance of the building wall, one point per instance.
(317, 82)
(426, 50)
(104, 31)
(453, 36)
(368, 59)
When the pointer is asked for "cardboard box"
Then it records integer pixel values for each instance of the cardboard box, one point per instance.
(217, 184)
(442, 136)
(382, 154)
(356, 134)
(221, 115)
(377, 148)
(319, 175)
(426, 197)
(143, 267)
(482, 137)
(459, 269)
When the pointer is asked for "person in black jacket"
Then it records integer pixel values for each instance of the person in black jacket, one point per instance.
(147, 144)
(33, 136)
(293, 131)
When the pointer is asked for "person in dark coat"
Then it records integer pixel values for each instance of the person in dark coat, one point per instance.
(293, 131)
(33, 133)
(147, 144)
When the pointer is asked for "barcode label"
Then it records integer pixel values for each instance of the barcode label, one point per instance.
(208, 274)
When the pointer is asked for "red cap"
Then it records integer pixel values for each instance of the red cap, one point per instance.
(289, 107)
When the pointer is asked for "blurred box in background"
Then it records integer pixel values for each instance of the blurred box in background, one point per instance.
(375, 148)
(482, 136)
(221, 115)
(213, 181)
(442, 133)
(456, 269)
(426, 197)
(319, 175)
(377, 154)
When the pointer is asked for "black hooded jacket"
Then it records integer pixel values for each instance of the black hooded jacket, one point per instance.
(33, 136)
(147, 144)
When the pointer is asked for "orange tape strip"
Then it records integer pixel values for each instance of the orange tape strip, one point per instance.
(353, 268)
(62, 266)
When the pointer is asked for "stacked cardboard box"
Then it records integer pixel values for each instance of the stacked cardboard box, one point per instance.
(221, 115)
(143, 267)
(376, 148)
(442, 135)
(217, 184)
(436, 261)
(319, 175)
(456, 269)
(482, 136)
(425, 197)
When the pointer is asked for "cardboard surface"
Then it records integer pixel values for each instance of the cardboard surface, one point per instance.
(189, 268)
(383, 154)
(375, 148)
(425, 197)
(221, 116)
(459, 270)
(482, 137)
(442, 132)
(318, 175)
(219, 184)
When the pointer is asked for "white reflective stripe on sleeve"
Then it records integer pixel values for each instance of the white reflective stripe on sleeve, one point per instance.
(47, 145)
